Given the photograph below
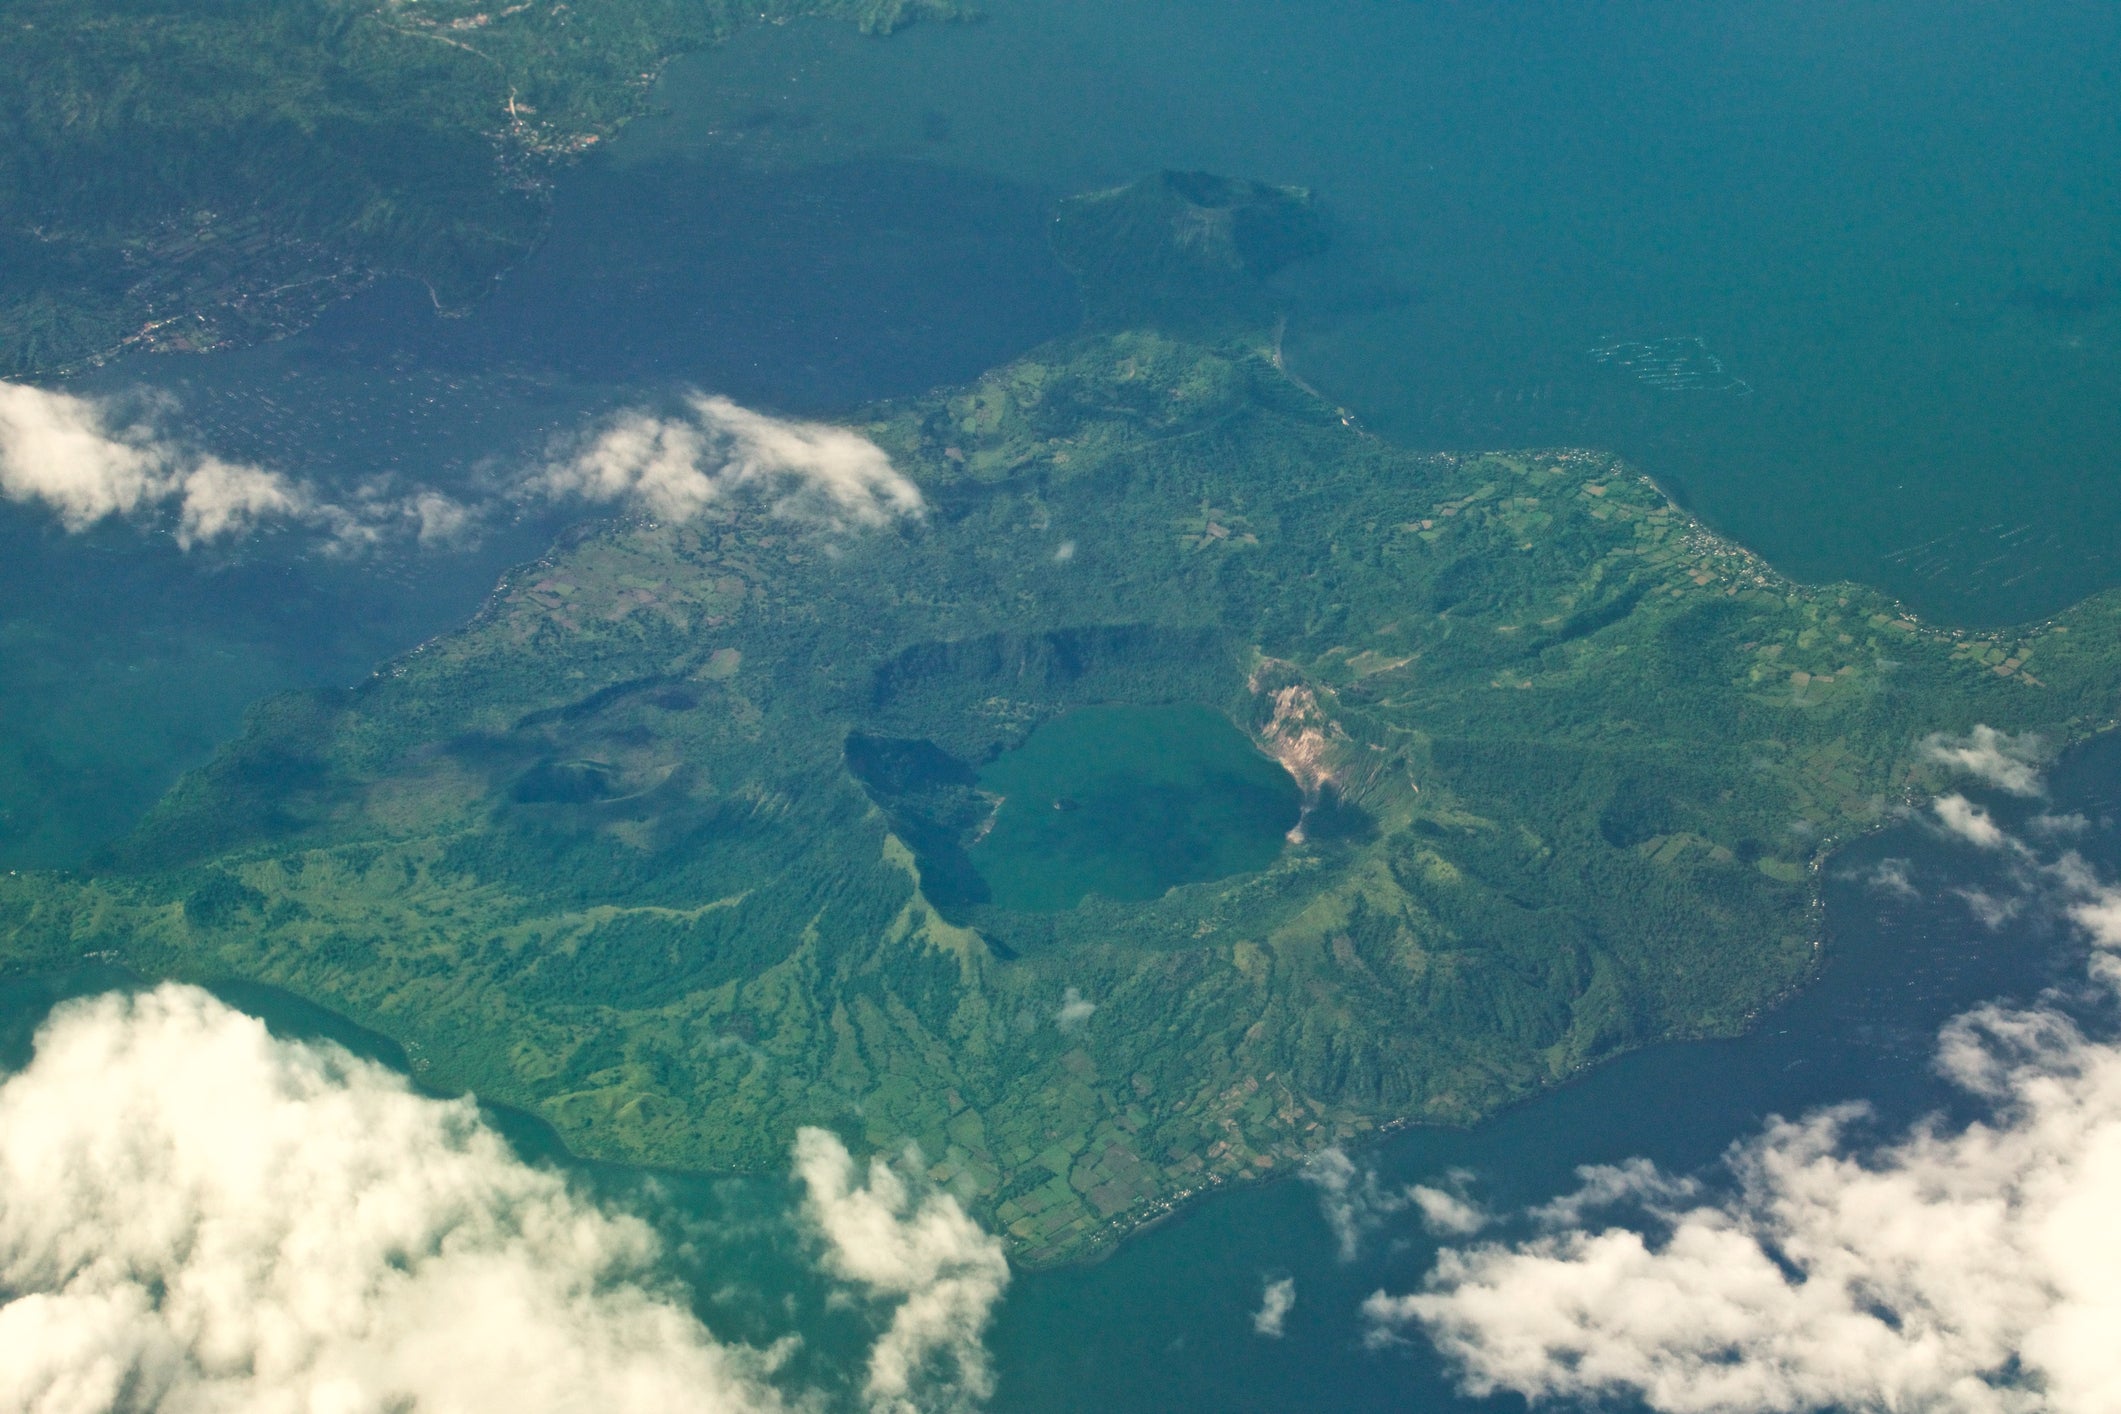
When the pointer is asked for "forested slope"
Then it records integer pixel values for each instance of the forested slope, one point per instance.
(620, 851)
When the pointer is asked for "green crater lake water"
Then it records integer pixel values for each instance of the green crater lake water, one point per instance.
(1128, 802)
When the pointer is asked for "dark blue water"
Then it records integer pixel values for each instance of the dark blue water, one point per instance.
(1853, 269)
(1165, 1323)
(1893, 221)
(1890, 227)
(124, 661)
(814, 290)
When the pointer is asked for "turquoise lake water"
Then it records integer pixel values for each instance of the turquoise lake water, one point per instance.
(1844, 277)
(1128, 803)
(1883, 236)
(1165, 1322)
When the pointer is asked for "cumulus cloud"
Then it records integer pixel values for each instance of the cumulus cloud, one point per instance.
(1992, 909)
(1075, 1009)
(1351, 1199)
(56, 448)
(1276, 1300)
(676, 467)
(71, 455)
(436, 519)
(219, 498)
(82, 460)
(1970, 822)
(1966, 1267)
(376, 514)
(1893, 876)
(86, 460)
(1447, 1214)
(1605, 1185)
(195, 1215)
(919, 1249)
(2098, 912)
(1355, 1204)
(2009, 763)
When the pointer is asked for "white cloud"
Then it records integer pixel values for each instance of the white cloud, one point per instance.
(58, 449)
(2101, 919)
(81, 460)
(1965, 1268)
(1276, 1300)
(440, 520)
(1075, 1009)
(376, 514)
(1355, 1204)
(1969, 821)
(194, 1215)
(676, 467)
(2006, 762)
(86, 461)
(218, 498)
(1893, 876)
(1993, 910)
(1604, 1185)
(1352, 1201)
(943, 1269)
(70, 454)
(1447, 1214)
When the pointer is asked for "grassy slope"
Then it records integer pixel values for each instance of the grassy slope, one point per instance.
(598, 854)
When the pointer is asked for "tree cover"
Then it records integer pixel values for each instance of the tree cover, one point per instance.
(642, 847)
(185, 173)
(1188, 250)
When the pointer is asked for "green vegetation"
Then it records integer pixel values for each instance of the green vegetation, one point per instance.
(1185, 250)
(180, 175)
(636, 849)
